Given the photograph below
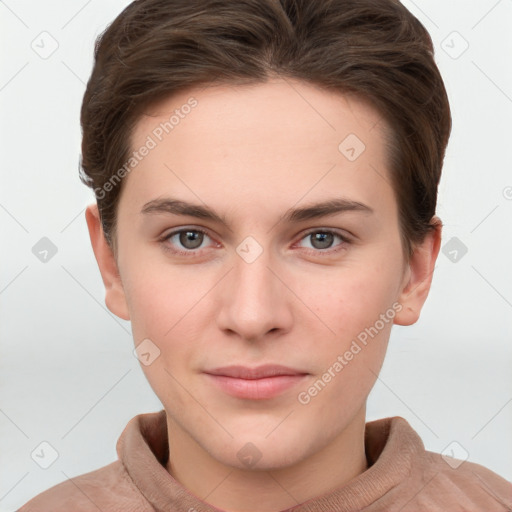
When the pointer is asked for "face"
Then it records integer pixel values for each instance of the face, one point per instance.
(262, 230)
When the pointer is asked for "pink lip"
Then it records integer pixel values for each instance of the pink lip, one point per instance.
(259, 383)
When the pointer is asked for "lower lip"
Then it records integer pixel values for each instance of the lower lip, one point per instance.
(256, 389)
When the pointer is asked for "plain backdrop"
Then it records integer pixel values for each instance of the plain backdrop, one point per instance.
(68, 376)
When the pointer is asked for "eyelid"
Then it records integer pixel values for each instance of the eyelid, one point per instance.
(173, 231)
(169, 234)
(345, 240)
(341, 233)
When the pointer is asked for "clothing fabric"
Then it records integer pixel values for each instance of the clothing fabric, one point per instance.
(402, 476)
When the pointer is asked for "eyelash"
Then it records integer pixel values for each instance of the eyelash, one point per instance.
(193, 252)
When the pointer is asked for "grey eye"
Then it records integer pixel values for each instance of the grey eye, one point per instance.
(191, 239)
(321, 240)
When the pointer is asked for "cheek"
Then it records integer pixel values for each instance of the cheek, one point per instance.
(159, 298)
(162, 310)
(353, 298)
(360, 312)
(358, 305)
(166, 307)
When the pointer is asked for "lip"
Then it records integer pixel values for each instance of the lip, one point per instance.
(260, 383)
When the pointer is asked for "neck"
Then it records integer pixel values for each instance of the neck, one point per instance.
(238, 490)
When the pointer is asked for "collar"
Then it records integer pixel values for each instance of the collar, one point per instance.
(391, 447)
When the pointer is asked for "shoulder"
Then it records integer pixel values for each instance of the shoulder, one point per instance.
(108, 488)
(416, 479)
(446, 483)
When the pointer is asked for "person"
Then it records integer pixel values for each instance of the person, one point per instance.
(266, 178)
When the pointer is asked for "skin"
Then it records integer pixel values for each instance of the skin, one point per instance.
(251, 153)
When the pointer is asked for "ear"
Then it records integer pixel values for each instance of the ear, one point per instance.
(114, 293)
(418, 276)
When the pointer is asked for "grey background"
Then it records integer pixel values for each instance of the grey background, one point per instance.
(68, 376)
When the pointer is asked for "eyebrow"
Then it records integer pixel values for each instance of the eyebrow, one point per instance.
(309, 212)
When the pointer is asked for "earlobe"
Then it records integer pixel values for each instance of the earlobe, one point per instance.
(115, 299)
(418, 276)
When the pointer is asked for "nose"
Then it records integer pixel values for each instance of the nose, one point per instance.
(253, 300)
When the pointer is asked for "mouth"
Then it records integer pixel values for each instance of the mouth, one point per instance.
(260, 383)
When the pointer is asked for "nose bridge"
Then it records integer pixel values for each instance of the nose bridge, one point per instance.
(254, 279)
(253, 301)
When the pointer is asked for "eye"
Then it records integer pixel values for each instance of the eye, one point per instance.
(189, 239)
(322, 240)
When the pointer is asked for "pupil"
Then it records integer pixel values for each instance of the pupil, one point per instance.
(191, 239)
(322, 240)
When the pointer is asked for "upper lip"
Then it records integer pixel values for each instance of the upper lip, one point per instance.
(259, 372)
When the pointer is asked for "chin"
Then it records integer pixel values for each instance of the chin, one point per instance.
(255, 452)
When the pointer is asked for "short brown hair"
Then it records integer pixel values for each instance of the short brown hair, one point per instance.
(374, 48)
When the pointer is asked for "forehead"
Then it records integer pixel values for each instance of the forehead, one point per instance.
(279, 105)
(281, 139)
